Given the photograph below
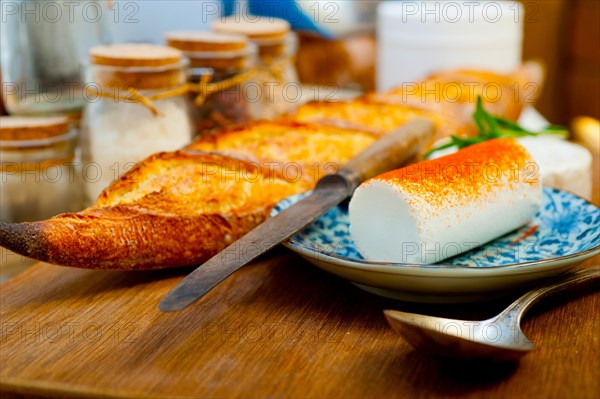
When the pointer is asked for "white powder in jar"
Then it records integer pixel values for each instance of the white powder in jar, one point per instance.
(118, 135)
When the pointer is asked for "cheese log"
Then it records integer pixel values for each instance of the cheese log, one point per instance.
(436, 209)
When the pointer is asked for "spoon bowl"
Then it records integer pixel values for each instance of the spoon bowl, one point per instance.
(499, 337)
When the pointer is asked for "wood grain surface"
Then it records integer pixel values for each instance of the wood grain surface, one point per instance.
(277, 328)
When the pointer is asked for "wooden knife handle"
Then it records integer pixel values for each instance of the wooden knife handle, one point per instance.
(388, 153)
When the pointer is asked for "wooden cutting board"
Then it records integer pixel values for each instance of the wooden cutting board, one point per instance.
(277, 328)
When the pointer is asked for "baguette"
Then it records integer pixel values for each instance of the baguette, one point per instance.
(301, 149)
(454, 92)
(173, 209)
(360, 114)
(369, 114)
(181, 208)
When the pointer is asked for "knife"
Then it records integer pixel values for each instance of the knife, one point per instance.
(385, 154)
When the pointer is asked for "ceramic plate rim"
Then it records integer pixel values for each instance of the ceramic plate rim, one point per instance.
(439, 270)
(450, 270)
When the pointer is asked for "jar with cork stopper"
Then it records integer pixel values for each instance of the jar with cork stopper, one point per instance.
(277, 45)
(137, 106)
(38, 167)
(223, 89)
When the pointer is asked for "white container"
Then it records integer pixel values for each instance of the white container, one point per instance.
(416, 38)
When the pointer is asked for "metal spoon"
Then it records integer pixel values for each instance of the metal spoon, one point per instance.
(497, 338)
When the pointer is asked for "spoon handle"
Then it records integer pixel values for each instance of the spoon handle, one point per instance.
(518, 307)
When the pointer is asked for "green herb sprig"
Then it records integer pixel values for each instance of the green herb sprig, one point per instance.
(493, 127)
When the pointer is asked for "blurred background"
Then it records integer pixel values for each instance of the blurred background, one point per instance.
(327, 50)
(564, 35)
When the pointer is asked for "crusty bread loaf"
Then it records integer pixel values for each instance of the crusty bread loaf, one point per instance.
(181, 208)
(454, 92)
(173, 209)
(371, 115)
(300, 149)
(361, 114)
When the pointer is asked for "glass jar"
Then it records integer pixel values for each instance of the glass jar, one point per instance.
(224, 91)
(343, 63)
(137, 106)
(43, 45)
(277, 45)
(40, 178)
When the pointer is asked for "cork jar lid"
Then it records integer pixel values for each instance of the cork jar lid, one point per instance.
(138, 66)
(253, 27)
(197, 41)
(23, 128)
(135, 55)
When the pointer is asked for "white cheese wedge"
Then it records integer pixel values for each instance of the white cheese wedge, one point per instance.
(562, 164)
(436, 209)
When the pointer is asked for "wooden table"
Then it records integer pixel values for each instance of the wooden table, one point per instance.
(277, 328)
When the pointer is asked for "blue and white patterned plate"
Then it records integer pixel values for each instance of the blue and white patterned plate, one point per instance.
(564, 233)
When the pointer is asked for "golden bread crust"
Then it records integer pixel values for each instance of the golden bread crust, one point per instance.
(309, 150)
(370, 114)
(180, 208)
(173, 209)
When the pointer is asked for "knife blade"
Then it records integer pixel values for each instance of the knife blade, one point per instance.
(387, 153)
